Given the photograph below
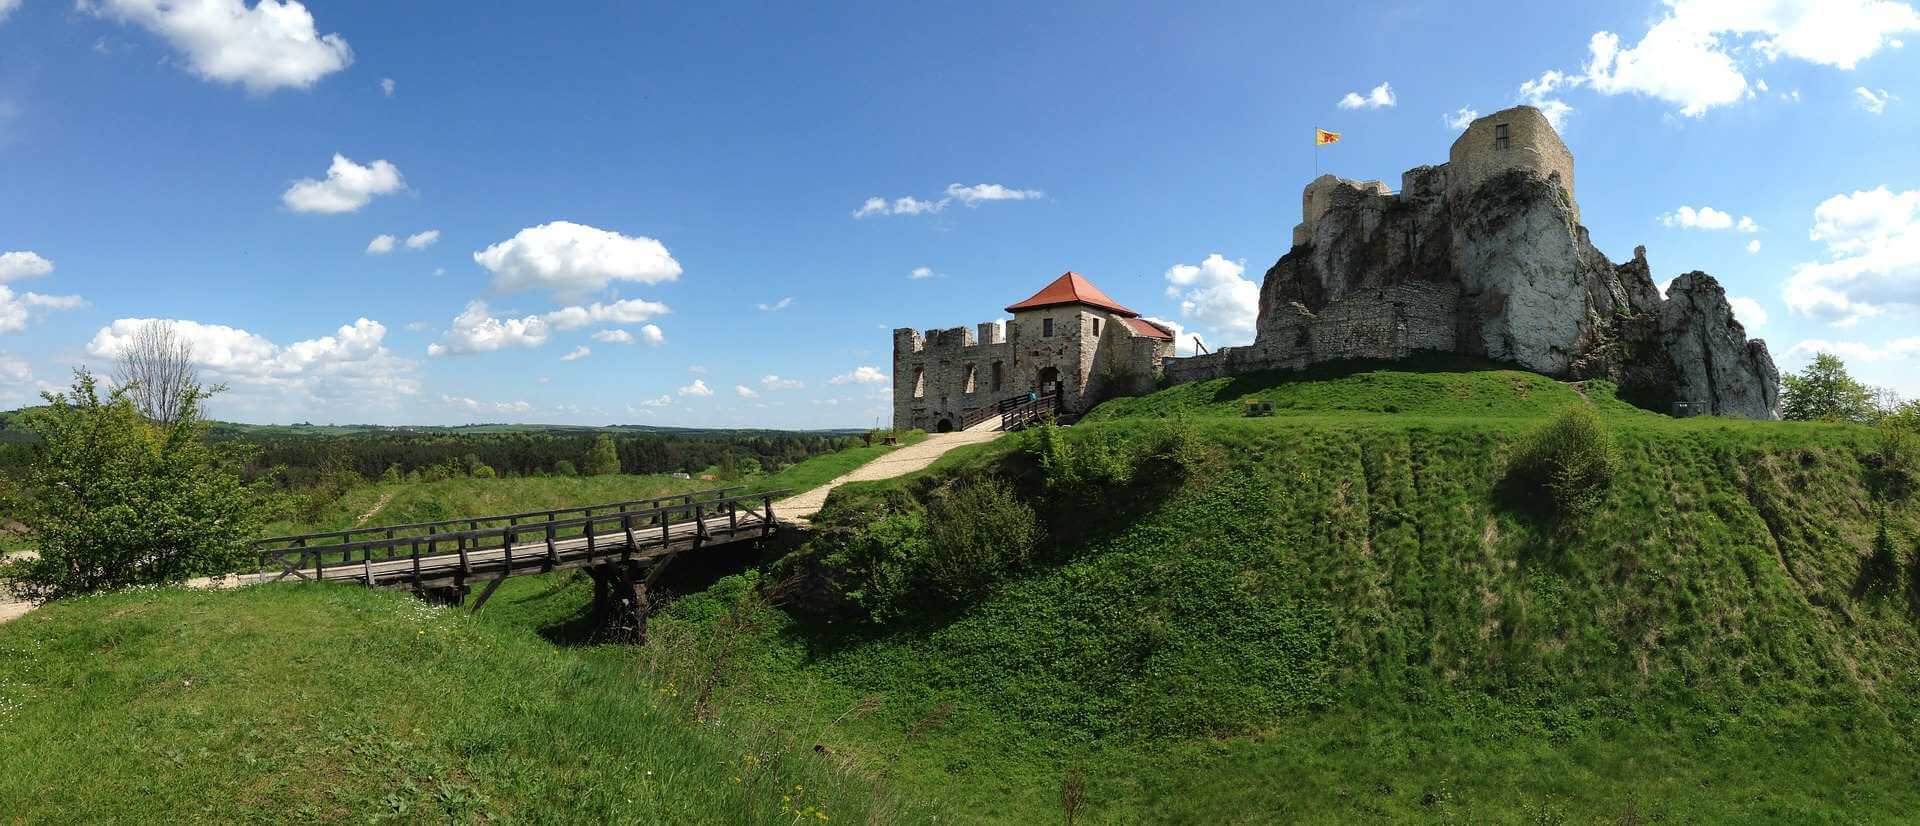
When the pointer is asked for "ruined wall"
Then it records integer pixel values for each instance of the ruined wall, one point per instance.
(1382, 323)
(1321, 196)
(945, 374)
(1532, 144)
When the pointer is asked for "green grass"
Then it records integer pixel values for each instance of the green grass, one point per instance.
(819, 470)
(310, 703)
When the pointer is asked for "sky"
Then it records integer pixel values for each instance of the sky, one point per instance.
(713, 215)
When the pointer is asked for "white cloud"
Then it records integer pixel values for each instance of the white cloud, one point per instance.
(1460, 119)
(745, 392)
(1707, 218)
(1753, 246)
(777, 305)
(860, 375)
(1182, 337)
(978, 193)
(1539, 93)
(1697, 55)
(16, 312)
(614, 337)
(270, 45)
(486, 407)
(351, 365)
(651, 334)
(697, 388)
(7, 7)
(387, 86)
(20, 264)
(1748, 311)
(624, 311)
(419, 326)
(380, 245)
(475, 330)
(1216, 295)
(578, 353)
(422, 240)
(772, 382)
(348, 187)
(1900, 348)
(575, 260)
(1873, 244)
(971, 196)
(1874, 103)
(921, 272)
(1379, 97)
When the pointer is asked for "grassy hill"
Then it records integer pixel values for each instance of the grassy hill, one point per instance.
(1343, 612)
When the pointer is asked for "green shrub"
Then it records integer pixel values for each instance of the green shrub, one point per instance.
(1573, 458)
(565, 468)
(1897, 460)
(977, 533)
(1079, 469)
(880, 560)
(113, 499)
(483, 472)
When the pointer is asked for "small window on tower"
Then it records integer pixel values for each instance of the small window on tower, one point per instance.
(1096, 328)
(1501, 140)
(1046, 328)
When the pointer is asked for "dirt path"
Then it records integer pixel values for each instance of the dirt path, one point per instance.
(898, 463)
(385, 497)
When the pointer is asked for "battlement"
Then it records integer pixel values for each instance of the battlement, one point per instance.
(910, 340)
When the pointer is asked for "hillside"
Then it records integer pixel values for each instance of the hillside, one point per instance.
(1341, 612)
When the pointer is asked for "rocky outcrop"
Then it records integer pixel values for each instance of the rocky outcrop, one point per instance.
(1505, 272)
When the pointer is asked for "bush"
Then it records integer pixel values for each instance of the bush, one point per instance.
(882, 560)
(565, 468)
(112, 499)
(1572, 457)
(977, 533)
(1897, 461)
(604, 458)
(483, 472)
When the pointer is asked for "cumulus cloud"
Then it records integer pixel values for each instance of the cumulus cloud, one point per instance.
(1707, 218)
(18, 311)
(860, 375)
(772, 382)
(1900, 348)
(387, 86)
(625, 311)
(575, 260)
(1873, 246)
(578, 353)
(1873, 102)
(348, 187)
(7, 7)
(1214, 294)
(380, 245)
(475, 330)
(745, 392)
(1753, 246)
(351, 365)
(1697, 55)
(422, 240)
(1379, 97)
(971, 196)
(697, 388)
(19, 264)
(651, 334)
(486, 407)
(614, 337)
(1460, 119)
(1541, 93)
(777, 305)
(270, 45)
(1748, 312)
(921, 272)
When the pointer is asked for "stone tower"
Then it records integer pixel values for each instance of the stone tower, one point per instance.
(1069, 337)
(1517, 138)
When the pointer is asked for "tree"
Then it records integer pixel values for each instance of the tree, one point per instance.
(155, 367)
(1824, 392)
(114, 498)
(604, 458)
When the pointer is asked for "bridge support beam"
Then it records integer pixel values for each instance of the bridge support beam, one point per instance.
(621, 598)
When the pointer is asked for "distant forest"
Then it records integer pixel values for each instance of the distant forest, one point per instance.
(300, 455)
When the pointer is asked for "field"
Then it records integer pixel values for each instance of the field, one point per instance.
(1342, 612)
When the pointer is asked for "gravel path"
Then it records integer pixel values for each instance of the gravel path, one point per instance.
(898, 463)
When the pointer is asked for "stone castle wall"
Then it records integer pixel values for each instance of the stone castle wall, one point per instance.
(1531, 144)
(1383, 323)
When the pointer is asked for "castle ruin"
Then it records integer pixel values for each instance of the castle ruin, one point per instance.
(1069, 339)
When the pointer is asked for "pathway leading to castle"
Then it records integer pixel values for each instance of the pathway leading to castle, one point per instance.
(897, 463)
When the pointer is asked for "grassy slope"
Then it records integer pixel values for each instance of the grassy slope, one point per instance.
(1339, 619)
(306, 703)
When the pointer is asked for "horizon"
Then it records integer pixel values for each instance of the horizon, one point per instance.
(713, 218)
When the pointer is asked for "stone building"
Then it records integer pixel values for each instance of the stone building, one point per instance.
(1069, 337)
(1485, 255)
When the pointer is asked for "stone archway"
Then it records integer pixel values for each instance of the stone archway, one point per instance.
(943, 426)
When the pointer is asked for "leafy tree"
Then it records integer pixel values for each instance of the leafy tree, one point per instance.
(114, 498)
(604, 458)
(564, 467)
(1573, 458)
(1824, 392)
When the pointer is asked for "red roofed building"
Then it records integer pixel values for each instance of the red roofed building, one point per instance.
(1069, 339)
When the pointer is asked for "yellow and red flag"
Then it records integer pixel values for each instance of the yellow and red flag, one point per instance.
(1322, 137)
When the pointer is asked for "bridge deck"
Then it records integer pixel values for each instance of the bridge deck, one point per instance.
(427, 555)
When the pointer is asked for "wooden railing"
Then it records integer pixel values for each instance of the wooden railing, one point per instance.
(1024, 411)
(615, 527)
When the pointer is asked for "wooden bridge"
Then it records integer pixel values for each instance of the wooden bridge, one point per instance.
(624, 546)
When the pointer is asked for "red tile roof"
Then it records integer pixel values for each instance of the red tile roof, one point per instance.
(1072, 288)
(1143, 327)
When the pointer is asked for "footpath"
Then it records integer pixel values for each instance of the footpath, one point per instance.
(802, 507)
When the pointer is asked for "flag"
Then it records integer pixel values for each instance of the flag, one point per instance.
(1322, 137)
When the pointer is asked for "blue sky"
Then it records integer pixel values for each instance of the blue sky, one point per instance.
(680, 190)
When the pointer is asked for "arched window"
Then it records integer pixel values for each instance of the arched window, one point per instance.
(970, 377)
(999, 376)
(919, 382)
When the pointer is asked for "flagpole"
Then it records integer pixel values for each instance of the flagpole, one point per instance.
(1316, 153)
